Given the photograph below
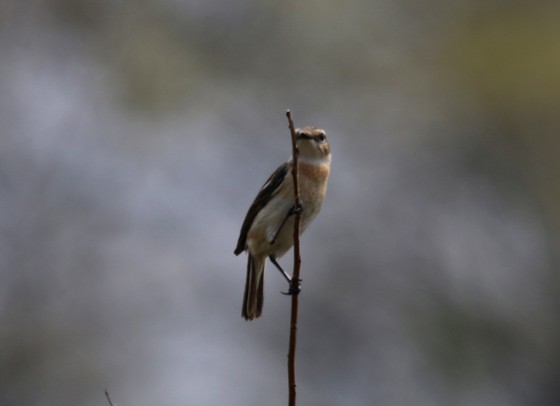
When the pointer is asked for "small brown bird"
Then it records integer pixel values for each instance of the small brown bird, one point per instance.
(268, 227)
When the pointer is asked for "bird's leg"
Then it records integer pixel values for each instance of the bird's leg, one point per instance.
(277, 265)
(291, 212)
(293, 290)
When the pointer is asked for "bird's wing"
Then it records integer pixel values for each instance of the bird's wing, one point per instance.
(269, 189)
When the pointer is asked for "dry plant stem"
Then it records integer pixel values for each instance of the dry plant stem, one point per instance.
(109, 398)
(294, 284)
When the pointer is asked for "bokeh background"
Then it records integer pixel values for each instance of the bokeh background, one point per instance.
(135, 134)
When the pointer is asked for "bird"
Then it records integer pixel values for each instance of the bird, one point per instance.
(267, 231)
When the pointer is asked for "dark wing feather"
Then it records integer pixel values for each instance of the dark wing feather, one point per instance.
(263, 197)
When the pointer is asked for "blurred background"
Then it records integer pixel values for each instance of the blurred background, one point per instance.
(135, 134)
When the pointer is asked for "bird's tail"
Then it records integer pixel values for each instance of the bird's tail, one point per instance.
(254, 288)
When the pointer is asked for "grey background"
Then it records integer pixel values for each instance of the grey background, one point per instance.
(134, 135)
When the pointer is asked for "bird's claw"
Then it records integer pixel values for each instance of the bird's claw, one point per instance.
(296, 210)
(294, 289)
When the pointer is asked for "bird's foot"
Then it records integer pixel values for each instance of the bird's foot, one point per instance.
(295, 288)
(296, 210)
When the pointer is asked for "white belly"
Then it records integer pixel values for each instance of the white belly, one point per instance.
(265, 228)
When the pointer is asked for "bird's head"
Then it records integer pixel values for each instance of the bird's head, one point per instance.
(313, 145)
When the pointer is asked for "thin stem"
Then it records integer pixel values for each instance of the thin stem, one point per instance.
(297, 265)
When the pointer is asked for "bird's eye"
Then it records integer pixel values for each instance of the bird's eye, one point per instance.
(322, 137)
